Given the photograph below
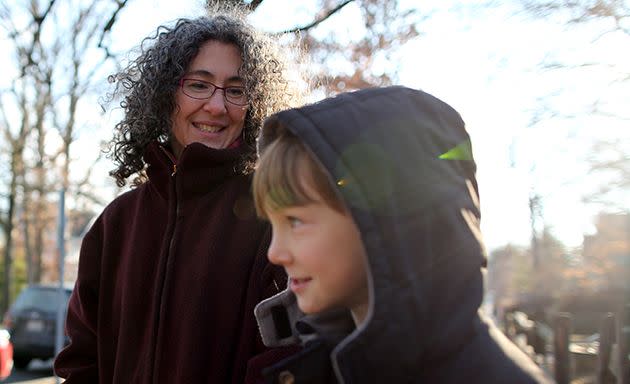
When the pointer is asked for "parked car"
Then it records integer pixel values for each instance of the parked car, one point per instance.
(6, 354)
(31, 321)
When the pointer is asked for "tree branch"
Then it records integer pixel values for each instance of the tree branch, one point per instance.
(318, 20)
(39, 21)
(110, 23)
(254, 4)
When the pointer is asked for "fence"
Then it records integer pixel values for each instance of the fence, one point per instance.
(601, 358)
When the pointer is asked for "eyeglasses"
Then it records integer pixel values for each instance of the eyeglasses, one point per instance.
(201, 89)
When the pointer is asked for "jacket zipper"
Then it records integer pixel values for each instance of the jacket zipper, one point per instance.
(157, 346)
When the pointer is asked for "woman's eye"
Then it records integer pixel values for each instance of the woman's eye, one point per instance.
(195, 85)
(235, 92)
(198, 86)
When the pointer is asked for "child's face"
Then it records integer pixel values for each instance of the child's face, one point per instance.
(322, 252)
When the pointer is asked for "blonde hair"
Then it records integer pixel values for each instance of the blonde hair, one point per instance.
(287, 175)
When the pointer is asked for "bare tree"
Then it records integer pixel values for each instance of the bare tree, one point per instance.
(16, 143)
(17, 130)
(59, 49)
(609, 157)
(581, 11)
(385, 26)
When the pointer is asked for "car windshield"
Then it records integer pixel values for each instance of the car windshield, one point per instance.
(41, 298)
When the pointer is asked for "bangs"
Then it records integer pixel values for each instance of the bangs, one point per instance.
(287, 176)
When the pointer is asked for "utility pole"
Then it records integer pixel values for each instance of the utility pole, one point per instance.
(535, 214)
(61, 246)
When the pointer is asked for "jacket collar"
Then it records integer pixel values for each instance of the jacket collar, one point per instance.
(281, 323)
(197, 170)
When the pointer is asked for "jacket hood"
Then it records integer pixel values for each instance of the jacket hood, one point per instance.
(403, 164)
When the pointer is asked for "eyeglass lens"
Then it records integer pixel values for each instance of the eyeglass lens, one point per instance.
(201, 89)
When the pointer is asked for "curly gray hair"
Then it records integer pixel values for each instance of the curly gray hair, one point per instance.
(148, 85)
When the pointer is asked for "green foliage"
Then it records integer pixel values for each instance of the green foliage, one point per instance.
(19, 279)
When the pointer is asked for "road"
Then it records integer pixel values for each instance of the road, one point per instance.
(38, 372)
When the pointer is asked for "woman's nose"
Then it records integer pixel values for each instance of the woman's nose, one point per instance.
(216, 103)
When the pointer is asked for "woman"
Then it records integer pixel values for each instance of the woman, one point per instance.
(170, 272)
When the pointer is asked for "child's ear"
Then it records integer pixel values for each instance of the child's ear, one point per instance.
(276, 319)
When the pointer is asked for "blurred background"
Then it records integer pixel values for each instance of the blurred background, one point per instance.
(543, 87)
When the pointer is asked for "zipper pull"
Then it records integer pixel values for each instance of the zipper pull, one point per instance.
(174, 170)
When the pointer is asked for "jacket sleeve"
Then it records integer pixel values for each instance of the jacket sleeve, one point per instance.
(271, 279)
(78, 362)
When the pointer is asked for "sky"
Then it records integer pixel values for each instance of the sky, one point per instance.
(486, 63)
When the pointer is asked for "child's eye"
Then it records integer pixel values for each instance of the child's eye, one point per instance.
(294, 221)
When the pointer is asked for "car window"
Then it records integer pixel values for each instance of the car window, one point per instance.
(43, 299)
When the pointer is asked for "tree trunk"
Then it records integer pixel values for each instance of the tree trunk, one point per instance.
(26, 231)
(8, 245)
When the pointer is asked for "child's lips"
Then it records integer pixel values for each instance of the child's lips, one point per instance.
(298, 284)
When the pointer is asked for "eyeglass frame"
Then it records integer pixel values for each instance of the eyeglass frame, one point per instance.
(216, 87)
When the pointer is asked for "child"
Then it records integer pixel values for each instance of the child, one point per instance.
(374, 207)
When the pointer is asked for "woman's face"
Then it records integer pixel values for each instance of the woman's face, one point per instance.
(213, 121)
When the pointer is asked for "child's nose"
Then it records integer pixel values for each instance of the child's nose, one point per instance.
(277, 253)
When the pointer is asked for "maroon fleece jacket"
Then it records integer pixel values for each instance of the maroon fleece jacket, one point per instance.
(169, 275)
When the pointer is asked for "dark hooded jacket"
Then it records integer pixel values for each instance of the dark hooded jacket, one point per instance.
(169, 275)
(403, 163)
